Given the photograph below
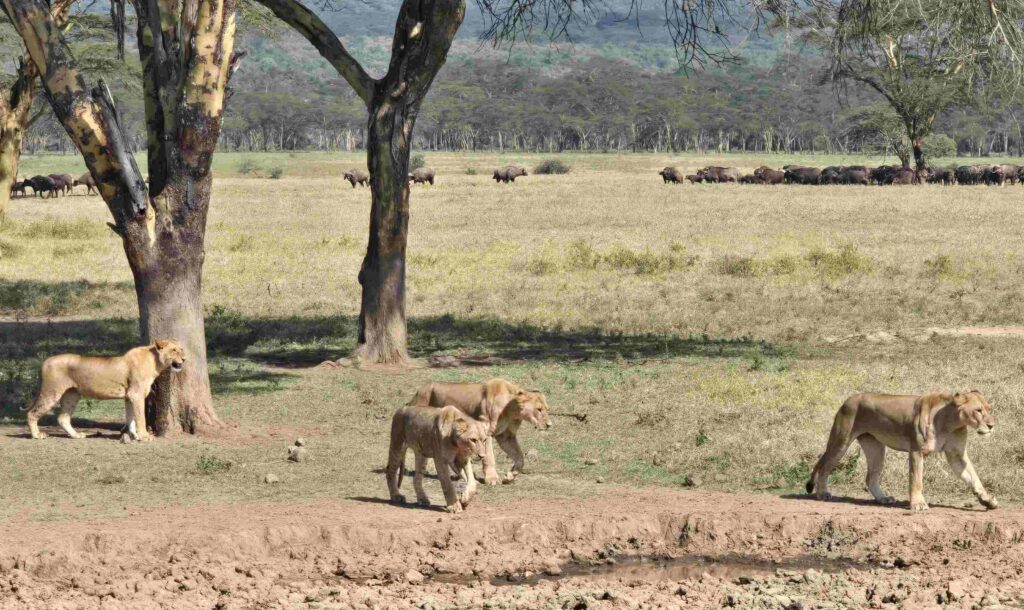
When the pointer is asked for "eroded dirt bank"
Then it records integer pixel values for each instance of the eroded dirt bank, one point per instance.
(779, 553)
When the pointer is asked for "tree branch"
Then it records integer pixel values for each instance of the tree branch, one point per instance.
(94, 131)
(313, 29)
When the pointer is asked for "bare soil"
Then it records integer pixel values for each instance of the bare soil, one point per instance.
(611, 551)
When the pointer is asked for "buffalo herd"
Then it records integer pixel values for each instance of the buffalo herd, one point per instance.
(52, 185)
(853, 174)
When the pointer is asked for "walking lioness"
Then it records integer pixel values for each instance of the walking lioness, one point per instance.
(500, 404)
(66, 378)
(917, 424)
(448, 436)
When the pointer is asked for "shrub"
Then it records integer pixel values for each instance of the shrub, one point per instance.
(541, 265)
(839, 263)
(738, 266)
(416, 162)
(244, 243)
(582, 255)
(471, 171)
(248, 166)
(9, 250)
(552, 166)
(208, 464)
(938, 145)
(275, 172)
(939, 267)
(652, 415)
(783, 265)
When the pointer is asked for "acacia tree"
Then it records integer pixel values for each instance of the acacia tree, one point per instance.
(16, 97)
(923, 57)
(423, 35)
(186, 50)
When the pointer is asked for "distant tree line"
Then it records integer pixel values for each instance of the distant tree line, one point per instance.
(595, 105)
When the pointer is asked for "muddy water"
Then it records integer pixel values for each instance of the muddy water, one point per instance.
(659, 569)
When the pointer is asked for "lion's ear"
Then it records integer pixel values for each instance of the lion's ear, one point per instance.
(161, 343)
(446, 420)
(960, 399)
(924, 426)
(461, 427)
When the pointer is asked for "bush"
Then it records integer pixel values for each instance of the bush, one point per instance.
(552, 166)
(938, 145)
(247, 167)
(471, 171)
(738, 266)
(416, 162)
(838, 263)
(275, 172)
(208, 464)
(582, 255)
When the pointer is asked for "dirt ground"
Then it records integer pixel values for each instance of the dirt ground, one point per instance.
(738, 550)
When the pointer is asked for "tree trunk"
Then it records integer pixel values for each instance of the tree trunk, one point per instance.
(15, 107)
(166, 259)
(382, 330)
(919, 161)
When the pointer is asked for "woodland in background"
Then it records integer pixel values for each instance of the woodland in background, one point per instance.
(286, 98)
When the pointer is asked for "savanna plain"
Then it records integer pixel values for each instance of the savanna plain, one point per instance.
(693, 341)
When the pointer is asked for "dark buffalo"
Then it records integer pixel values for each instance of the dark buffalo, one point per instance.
(943, 176)
(904, 176)
(694, 178)
(42, 185)
(884, 174)
(802, 175)
(750, 179)
(357, 176)
(509, 173)
(671, 174)
(719, 174)
(422, 175)
(769, 175)
(856, 174)
(971, 174)
(831, 175)
(87, 181)
(62, 182)
(18, 188)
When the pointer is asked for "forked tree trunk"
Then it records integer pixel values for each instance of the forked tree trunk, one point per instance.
(382, 329)
(15, 106)
(919, 161)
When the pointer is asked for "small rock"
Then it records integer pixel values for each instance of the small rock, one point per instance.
(552, 567)
(599, 479)
(414, 577)
(271, 478)
(956, 590)
(590, 462)
(533, 454)
(297, 454)
(811, 576)
(300, 442)
(126, 438)
(691, 480)
(657, 460)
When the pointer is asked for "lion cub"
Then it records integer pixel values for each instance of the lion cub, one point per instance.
(447, 436)
(66, 378)
(916, 424)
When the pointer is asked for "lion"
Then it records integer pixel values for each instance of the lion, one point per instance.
(66, 378)
(448, 436)
(918, 425)
(502, 405)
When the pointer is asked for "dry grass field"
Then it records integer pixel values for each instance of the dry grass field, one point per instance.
(708, 332)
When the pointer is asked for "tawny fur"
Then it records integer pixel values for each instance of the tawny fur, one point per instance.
(918, 425)
(446, 435)
(502, 405)
(66, 378)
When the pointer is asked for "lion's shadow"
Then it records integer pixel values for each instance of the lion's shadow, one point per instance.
(901, 505)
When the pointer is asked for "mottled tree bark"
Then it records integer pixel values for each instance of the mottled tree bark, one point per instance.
(15, 106)
(186, 53)
(423, 35)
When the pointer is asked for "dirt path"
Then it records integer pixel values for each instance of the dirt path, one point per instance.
(777, 552)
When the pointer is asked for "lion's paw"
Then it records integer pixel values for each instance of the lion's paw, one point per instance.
(40, 435)
(989, 502)
(398, 499)
(77, 435)
(454, 508)
(823, 496)
(886, 500)
(423, 501)
(918, 506)
(491, 479)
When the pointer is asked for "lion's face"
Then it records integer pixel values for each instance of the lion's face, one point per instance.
(975, 411)
(170, 354)
(470, 437)
(534, 409)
